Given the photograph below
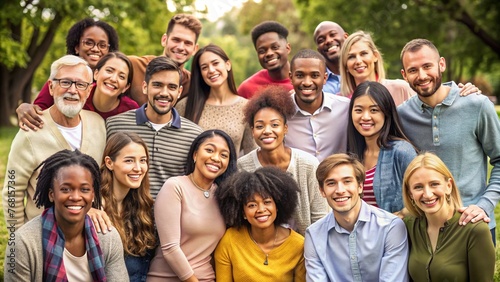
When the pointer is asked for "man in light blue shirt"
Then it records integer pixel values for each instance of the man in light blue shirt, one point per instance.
(319, 125)
(356, 241)
(329, 37)
(462, 131)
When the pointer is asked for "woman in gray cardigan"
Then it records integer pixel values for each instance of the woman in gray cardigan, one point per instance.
(375, 135)
(61, 244)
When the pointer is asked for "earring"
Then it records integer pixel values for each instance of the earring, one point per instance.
(448, 198)
(413, 203)
(244, 217)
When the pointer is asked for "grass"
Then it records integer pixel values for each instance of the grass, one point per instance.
(7, 134)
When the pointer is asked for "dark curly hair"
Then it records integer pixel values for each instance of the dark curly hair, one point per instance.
(274, 97)
(231, 166)
(75, 34)
(269, 181)
(50, 169)
(268, 26)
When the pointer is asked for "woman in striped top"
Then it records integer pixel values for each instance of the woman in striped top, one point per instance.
(375, 135)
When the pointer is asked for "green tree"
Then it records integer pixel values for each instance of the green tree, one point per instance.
(29, 27)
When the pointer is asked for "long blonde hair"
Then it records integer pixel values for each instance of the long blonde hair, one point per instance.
(135, 223)
(428, 161)
(347, 83)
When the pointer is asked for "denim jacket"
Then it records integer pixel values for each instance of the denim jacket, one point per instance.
(388, 178)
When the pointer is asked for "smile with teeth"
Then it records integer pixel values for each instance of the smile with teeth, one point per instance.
(111, 86)
(333, 48)
(429, 202)
(262, 218)
(272, 61)
(214, 77)
(366, 125)
(342, 199)
(213, 167)
(75, 208)
(134, 176)
(267, 140)
(307, 91)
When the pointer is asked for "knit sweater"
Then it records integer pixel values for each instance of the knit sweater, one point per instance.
(29, 149)
(311, 205)
(24, 258)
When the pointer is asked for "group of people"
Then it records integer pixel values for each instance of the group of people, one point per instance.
(318, 168)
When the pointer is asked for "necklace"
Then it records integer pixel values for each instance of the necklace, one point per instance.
(206, 193)
(274, 244)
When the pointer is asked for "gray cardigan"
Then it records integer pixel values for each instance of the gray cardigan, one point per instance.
(24, 254)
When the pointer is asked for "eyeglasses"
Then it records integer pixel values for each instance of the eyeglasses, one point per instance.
(66, 83)
(90, 44)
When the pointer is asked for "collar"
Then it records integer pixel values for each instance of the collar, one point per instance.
(364, 216)
(141, 118)
(327, 103)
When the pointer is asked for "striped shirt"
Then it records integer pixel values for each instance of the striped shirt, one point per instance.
(168, 147)
(368, 195)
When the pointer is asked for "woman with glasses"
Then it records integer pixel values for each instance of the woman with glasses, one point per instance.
(88, 39)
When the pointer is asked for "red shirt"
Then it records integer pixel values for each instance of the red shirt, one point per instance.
(260, 79)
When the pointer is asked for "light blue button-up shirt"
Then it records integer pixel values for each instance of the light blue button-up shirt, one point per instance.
(375, 250)
(332, 84)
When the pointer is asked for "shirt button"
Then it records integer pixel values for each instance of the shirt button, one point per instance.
(436, 139)
(435, 117)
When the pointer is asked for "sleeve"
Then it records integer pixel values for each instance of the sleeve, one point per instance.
(114, 262)
(319, 205)
(168, 212)
(315, 271)
(109, 127)
(135, 91)
(20, 167)
(44, 99)
(247, 142)
(17, 261)
(481, 253)
(403, 157)
(223, 266)
(487, 131)
(394, 264)
(299, 274)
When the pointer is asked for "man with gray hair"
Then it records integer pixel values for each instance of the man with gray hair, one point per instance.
(67, 126)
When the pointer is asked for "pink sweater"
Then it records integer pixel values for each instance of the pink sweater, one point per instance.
(190, 227)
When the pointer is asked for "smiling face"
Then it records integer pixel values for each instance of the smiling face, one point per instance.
(361, 62)
(213, 69)
(342, 191)
(69, 102)
(72, 193)
(211, 159)
(428, 188)
(94, 54)
(111, 79)
(180, 44)
(260, 212)
(329, 38)
(129, 166)
(272, 51)
(269, 129)
(308, 75)
(163, 90)
(423, 71)
(367, 117)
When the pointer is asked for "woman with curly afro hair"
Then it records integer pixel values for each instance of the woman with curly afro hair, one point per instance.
(255, 205)
(266, 114)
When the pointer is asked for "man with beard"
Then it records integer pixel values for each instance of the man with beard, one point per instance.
(269, 40)
(157, 122)
(329, 37)
(67, 126)
(355, 241)
(462, 131)
(320, 123)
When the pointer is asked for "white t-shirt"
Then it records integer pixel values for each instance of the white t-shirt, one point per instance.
(77, 268)
(73, 135)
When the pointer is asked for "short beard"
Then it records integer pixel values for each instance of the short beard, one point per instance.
(69, 111)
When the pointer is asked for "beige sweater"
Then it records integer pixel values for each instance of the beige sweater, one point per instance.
(29, 149)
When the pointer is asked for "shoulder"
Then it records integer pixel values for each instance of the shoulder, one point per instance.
(383, 218)
(403, 147)
(143, 60)
(129, 102)
(296, 238)
(31, 231)
(336, 99)
(304, 157)
(246, 162)
(93, 116)
(320, 226)
(110, 238)
(189, 126)
(180, 106)
(125, 116)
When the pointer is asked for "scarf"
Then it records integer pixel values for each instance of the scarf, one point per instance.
(53, 248)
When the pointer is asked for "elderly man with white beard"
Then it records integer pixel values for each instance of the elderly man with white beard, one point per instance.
(67, 126)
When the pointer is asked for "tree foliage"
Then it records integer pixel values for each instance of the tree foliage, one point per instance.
(465, 32)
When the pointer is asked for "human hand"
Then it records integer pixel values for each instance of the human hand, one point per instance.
(472, 214)
(468, 88)
(28, 117)
(101, 220)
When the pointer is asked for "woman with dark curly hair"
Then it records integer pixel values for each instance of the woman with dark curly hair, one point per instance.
(88, 39)
(61, 244)
(266, 113)
(187, 216)
(127, 201)
(255, 205)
